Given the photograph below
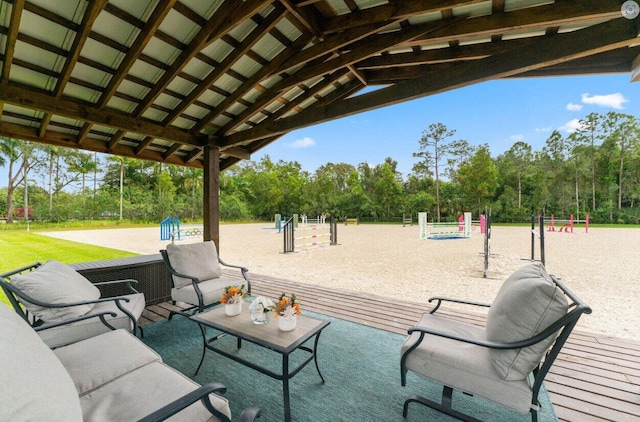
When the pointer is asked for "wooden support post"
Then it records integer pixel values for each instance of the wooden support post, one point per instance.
(211, 199)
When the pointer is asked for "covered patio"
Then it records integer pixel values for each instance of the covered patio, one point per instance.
(205, 84)
(595, 378)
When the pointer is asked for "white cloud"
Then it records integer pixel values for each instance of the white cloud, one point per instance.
(517, 138)
(544, 129)
(612, 100)
(571, 126)
(574, 107)
(305, 142)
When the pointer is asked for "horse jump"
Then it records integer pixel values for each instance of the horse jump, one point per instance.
(351, 221)
(567, 225)
(170, 230)
(459, 230)
(309, 237)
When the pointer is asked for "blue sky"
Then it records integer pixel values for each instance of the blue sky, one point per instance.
(498, 113)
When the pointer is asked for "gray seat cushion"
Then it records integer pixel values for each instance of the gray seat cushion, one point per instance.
(71, 333)
(463, 366)
(212, 290)
(199, 260)
(527, 303)
(143, 391)
(54, 282)
(101, 359)
(35, 386)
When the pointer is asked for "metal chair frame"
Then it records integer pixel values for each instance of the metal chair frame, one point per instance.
(565, 325)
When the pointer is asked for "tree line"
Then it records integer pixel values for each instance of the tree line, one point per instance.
(594, 170)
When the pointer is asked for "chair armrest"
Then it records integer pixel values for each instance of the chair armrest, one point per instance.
(116, 299)
(183, 402)
(249, 414)
(448, 299)
(567, 319)
(243, 270)
(100, 315)
(127, 281)
(240, 267)
(177, 274)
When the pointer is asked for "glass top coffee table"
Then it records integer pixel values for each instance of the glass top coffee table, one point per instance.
(267, 336)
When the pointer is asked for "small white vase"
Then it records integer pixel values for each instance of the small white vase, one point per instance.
(287, 323)
(232, 309)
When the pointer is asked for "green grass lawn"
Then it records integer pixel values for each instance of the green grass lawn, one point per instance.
(19, 248)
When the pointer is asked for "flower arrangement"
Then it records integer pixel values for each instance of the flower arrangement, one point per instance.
(261, 304)
(233, 294)
(287, 306)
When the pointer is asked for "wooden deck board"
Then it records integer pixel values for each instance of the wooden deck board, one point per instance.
(595, 378)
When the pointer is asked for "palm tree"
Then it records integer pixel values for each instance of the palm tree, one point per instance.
(9, 148)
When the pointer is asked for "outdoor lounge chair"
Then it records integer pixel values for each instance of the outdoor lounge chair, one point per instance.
(196, 275)
(527, 325)
(64, 307)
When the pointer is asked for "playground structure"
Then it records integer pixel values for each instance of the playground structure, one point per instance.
(567, 225)
(443, 231)
(170, 230)
(300, 238)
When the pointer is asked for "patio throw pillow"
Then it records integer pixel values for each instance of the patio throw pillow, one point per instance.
(198, 260)
(35, 386)
(56, 283)
(526, 304)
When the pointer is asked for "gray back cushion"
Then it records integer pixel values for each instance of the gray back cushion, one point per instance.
(56, 283)
(198, 260)
(35, 386)
(526, 304)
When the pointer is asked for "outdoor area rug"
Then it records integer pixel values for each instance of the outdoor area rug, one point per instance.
(360, 364)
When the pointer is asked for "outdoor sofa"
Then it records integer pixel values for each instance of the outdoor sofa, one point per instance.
(109, 377)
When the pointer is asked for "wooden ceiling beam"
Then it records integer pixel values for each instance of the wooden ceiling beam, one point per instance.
(171, 150)
(440, 55)
(133, 53)
(73, 109)
(549, 51)
(340, 93)
(256, 35)
(237, 152)
(263, 101)
(89, 17)
(635, 69)
(359, 50)
(389, 13)
(143, 144)
(262, 74)
(330, 45)
(532, 18)
(222, 21)
(307, 19)
(26, 133)
(12, 37)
